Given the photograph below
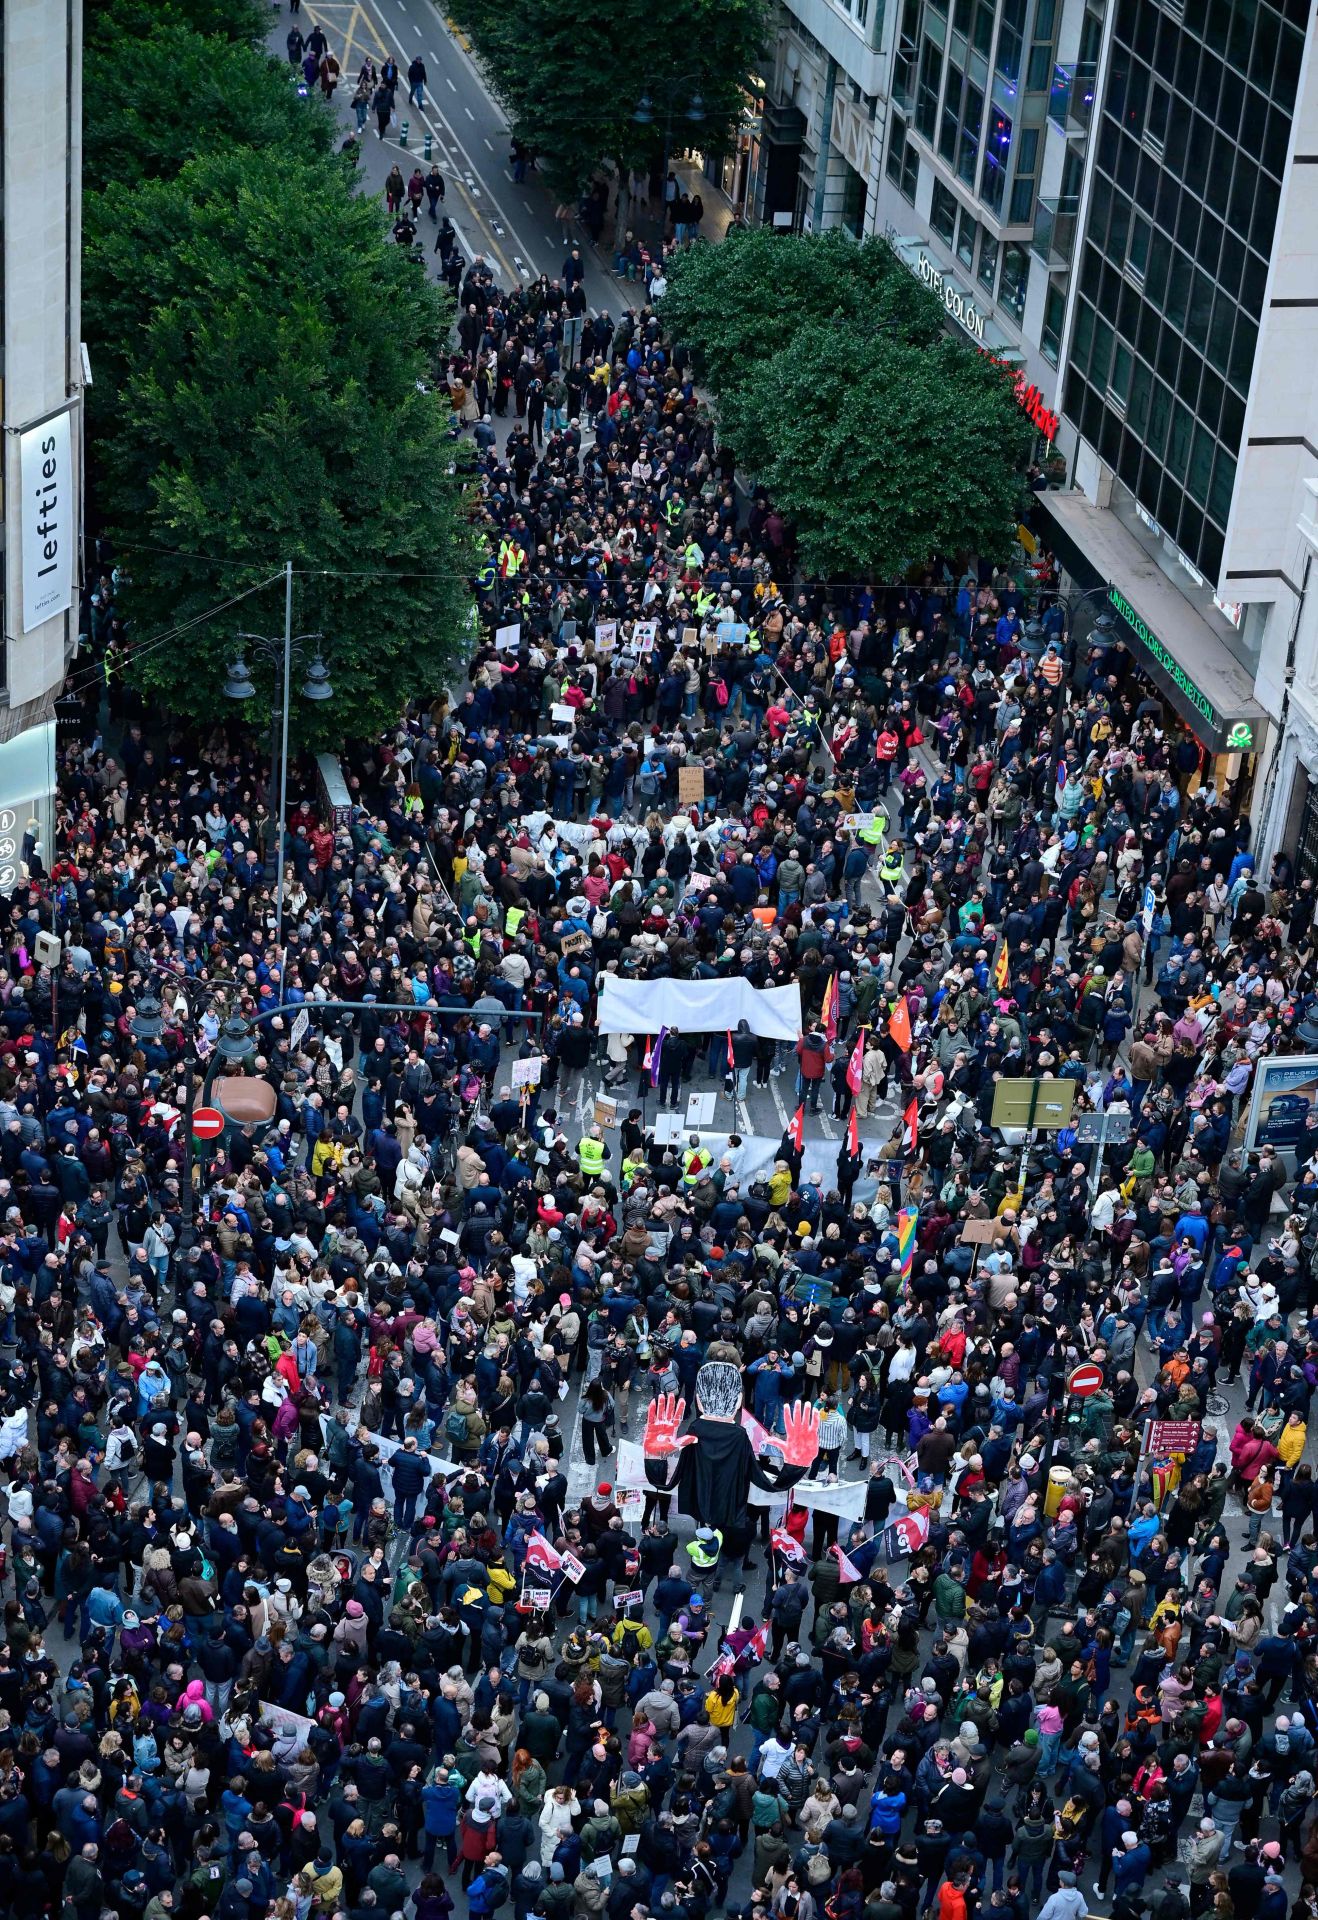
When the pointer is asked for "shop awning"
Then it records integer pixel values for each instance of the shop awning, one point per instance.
(1170, 640)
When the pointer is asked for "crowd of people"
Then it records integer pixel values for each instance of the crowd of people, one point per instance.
(330, 1595)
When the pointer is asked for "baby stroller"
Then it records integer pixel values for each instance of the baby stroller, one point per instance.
(327, 1574)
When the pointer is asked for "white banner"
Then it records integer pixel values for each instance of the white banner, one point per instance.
(698, 1006)
(49, 518)
(845, 1499)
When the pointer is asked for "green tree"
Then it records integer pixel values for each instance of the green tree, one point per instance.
(841, 391)
(274, 405)
(156, 100)
(571, 78)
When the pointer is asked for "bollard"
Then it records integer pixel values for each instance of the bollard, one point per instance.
(428, 144)
(402, 135)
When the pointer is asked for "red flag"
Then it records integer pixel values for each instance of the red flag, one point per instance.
(899, 1025)
(856, 1063)
(909, 1532)
(853, 1134)
(782, 1542)
(911, 1126)
(758, 1644)
(732, 1061)
(796, 1130)
(828, 1011)
(539, 1553)
(846, 1569)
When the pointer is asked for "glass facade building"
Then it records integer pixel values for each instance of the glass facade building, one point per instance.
(1189, 154)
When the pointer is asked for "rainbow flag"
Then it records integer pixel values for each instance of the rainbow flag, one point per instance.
(907, 1221)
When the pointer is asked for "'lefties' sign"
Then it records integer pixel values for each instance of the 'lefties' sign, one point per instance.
(48, 514)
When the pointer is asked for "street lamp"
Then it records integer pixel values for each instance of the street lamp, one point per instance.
(236, 1047)
(239, 685)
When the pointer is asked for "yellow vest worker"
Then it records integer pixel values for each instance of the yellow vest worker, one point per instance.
(590, 1155)
(694, 1162)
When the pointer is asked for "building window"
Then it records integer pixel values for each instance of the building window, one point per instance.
(942, 213)
(1015, 281)
(972, 126)
(965, 238)
(902, 167)
(926, 99)
(997, 153)
(1054, 312)
(988, 262)
(1010, 33)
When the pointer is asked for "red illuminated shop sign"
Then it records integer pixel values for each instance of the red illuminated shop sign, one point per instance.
(1029, 399)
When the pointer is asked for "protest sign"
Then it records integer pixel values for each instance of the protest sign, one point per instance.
(690, 785)
(574, 943)
(508, 639)
(606, 635)
(526, 1073)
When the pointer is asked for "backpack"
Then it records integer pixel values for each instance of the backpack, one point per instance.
(629, 1643)
(456, 1428)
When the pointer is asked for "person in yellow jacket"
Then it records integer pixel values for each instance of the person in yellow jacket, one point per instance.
(500, 1584)
(721, 1703)
(1291, 1442)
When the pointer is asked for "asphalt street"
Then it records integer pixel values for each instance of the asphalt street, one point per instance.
(512, 224)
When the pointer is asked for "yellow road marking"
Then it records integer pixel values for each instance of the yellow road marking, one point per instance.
(327, 13)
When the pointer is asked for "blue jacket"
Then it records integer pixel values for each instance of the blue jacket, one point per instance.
(439, 1807)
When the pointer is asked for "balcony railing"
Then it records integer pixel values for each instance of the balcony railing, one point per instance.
(1071, 99)
(1053, 241)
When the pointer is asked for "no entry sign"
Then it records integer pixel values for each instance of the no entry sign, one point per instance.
(1085, 1379)
(207, 1123)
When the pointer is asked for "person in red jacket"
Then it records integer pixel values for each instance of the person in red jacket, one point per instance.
(812, 1053)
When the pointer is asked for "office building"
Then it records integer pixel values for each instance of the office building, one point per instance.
(43, 379)
(1189, 405)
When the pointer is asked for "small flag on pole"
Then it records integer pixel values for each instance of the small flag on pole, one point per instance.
(656, 1053)
(853, 1134)
(899, 1025)
(1002, 968)
(828, 1011)
(732, 1059)
(856, 1064)
(907, 1221)
(796, 1129)
(911, 1128)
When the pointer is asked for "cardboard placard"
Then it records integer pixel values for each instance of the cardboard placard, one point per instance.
(668, 1129)
(632, 1598)
(606, 1110)
(572, 1568)
(644, 635)
(562, 715)
(700, 1109)
(690, 786)
(508, 639)
(526, 1073)
(606, 635)
(540, 1598)
(449, 1238)
(574, 943)
(979, 1233)
(689, 636)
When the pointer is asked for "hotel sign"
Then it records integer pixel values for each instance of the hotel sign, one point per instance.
(959, 305)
